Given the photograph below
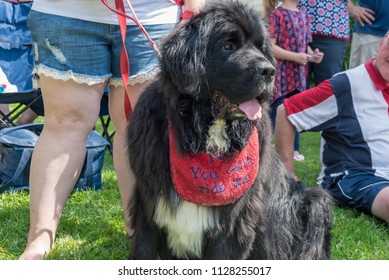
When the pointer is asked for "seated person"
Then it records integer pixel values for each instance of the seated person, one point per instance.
(351, 111)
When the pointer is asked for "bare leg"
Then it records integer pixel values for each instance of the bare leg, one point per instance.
(4, 108)
(124, 174)
(71, 111)
(27, 117)
(380, 207)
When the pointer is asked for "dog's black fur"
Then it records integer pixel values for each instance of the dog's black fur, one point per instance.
(224, 50)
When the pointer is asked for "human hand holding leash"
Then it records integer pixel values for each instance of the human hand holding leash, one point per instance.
(192, 7)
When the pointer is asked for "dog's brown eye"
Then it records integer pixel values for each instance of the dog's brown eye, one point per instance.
(228, 46)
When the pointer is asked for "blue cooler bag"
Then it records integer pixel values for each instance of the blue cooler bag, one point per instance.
(17, 144)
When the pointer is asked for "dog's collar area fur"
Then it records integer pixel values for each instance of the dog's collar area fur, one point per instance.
(206, 179)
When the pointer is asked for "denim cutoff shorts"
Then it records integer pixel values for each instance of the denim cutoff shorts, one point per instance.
(89, 52)
(357, 189)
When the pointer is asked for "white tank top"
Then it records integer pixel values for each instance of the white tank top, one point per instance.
(148, 11)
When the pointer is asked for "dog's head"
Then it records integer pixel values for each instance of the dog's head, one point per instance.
(223, 57)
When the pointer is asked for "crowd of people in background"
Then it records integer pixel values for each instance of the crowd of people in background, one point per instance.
(343, 106)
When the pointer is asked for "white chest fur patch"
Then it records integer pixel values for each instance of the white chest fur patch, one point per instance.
(185, 227)
(217, 137)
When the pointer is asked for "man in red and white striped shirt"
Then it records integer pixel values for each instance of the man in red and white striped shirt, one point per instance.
(352, 112)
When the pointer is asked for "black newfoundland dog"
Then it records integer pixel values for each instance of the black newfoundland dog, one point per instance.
(209, 184)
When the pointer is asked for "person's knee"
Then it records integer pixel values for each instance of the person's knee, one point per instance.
(380, 207)
(70, 121)
(70, 107)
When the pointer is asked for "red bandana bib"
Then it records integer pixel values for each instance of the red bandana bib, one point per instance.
(210, 180)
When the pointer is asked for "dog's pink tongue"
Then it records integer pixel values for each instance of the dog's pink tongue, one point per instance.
(252, 109)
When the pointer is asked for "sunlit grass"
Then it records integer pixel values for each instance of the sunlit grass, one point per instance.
(92, 225)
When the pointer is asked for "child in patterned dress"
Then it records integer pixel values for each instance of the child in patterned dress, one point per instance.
(290, 33)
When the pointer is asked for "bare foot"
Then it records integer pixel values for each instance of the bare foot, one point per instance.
(38, 247)
(34, 252)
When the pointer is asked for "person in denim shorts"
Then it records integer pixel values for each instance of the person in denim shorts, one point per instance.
(351, 110)
(77, 46)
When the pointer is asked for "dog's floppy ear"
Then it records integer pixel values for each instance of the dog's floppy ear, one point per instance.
(183, 57)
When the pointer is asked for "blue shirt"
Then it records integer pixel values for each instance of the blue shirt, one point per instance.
(381, 23)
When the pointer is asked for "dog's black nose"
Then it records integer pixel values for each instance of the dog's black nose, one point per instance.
(267, 72)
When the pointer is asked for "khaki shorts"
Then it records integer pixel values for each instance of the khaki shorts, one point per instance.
(363, 48)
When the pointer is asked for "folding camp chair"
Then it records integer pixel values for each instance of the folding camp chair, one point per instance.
(22, 101)
(16, 61)
(105, 120)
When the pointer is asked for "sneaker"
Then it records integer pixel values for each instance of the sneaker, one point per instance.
(299, 157)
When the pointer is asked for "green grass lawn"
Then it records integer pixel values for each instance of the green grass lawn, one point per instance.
(92, 226)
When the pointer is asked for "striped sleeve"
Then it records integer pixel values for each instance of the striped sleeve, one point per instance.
(313, 108)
